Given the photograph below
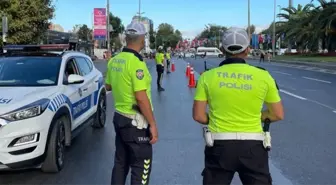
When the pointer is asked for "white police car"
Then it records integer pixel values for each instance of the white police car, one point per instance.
(45, 98)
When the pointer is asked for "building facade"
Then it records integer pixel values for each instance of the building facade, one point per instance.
(147, 23)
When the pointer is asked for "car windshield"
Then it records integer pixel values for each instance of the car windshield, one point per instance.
(29, 71)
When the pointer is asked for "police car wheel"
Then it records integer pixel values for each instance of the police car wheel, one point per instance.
(100, 117)
(54, 160)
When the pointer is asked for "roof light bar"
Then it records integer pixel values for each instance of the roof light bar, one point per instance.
(45, 47)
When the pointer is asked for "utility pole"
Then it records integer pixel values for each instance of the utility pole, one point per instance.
(249, 20)
(273, 43)
(108, 25)
(280, 33)
(290, 3)
(139, 10)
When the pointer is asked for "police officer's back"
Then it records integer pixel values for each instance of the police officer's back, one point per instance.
(236, 92)
(134, 123)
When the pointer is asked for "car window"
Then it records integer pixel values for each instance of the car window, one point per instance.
(29, 71)
(89, 63)
(83, 66)
(70, 69)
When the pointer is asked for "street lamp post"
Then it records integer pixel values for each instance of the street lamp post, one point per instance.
(108, 25)
(280, 33)
(273, 43)
(139, 10)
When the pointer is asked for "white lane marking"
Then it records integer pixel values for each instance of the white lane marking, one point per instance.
(279, 72)
(294, 95)
(315, 79)
(323, 105)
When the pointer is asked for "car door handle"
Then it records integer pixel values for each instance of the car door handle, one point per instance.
(85, 89)
(97, 81)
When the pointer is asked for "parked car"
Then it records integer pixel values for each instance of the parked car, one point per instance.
(46, 99)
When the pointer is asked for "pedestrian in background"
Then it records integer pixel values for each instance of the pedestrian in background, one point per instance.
(269, 56)
(262, 56)
(134, 124)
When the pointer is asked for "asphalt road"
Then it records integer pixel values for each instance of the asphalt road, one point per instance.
(303, 144)
(178, 156)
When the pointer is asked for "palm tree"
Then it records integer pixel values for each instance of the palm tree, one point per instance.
(296, 25)
(326, 21)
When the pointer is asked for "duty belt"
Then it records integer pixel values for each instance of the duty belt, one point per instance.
(138, 120)
(130, 116)
(238, 136)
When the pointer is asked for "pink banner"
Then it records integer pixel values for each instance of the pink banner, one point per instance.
(99, 32)
(99, 23)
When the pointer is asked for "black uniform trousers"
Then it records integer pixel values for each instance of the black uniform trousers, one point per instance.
(168, 65)
(248, 158)
(133, 150)
(160, 71)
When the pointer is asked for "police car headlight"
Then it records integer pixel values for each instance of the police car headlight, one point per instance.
(32, 110)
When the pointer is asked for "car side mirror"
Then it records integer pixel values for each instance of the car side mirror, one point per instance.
(75, 79)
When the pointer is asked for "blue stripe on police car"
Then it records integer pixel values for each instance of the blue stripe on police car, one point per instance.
(77, 109)
(80, 107)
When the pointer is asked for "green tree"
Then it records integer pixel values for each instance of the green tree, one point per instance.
(84, 33)
(167, 36)
(28, 20)
(117, 25)
(118, 28)
(151, 36)
(213, 33)
(306, 26)
(325, 20)
(75, 28)
(117, 43)
(252, 29)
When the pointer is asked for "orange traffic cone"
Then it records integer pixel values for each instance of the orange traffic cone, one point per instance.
(188, 70)
(173, 67)
(192, 82)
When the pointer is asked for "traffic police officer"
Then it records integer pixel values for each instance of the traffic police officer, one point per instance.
(159, 59)
(168, 61)
(235, 92)
(130, 81)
